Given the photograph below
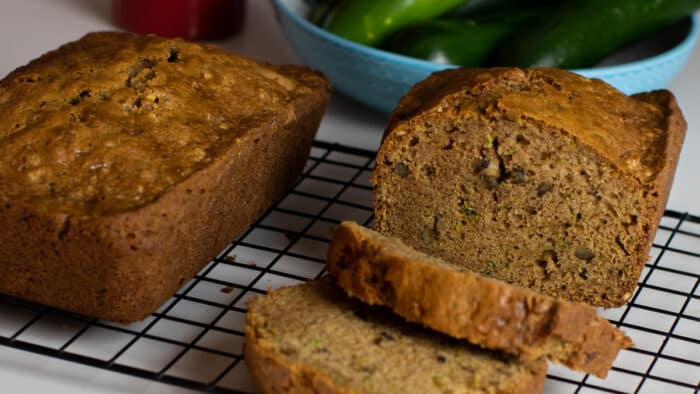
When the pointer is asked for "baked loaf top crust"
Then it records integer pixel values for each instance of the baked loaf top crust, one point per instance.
(311, 338)
(629, 131)
(384, 271)
(110, 122)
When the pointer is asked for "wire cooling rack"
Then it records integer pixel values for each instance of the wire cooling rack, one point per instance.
(195, 339)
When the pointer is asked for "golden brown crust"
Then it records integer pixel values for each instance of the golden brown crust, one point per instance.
(628, 132)
(675, 127)
(122, 266)
(659, 187)
(466, 305)
(427, 93)
(108, 123)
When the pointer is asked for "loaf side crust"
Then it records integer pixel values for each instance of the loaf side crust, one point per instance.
(676, 127)
(463, 304)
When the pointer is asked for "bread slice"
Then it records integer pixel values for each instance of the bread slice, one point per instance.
(311, 338)
(127, 162)
(384, 271)
(539, 177)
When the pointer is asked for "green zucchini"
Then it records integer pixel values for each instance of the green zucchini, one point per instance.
(464, 42)
(579, 34)
(370, 22)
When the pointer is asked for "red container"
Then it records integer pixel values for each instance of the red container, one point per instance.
(189, 19)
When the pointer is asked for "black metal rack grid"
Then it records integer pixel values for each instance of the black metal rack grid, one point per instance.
(195, 339)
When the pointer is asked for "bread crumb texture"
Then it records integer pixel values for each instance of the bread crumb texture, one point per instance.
(312, 338)
(538, 177)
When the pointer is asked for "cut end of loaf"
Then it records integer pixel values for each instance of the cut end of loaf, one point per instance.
(501, 187)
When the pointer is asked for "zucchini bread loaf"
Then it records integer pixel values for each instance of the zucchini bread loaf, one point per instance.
(311, 338)
(492, 314)
(538, 177)
(127, 162)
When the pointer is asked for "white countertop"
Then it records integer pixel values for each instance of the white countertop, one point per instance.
(31, 27)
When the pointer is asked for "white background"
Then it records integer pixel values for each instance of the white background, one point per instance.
(29, 28)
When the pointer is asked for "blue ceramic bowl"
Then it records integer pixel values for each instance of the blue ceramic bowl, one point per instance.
(379, 78)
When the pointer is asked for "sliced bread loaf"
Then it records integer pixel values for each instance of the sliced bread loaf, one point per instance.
(490, 313)
(537, 177)
(311, 338)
